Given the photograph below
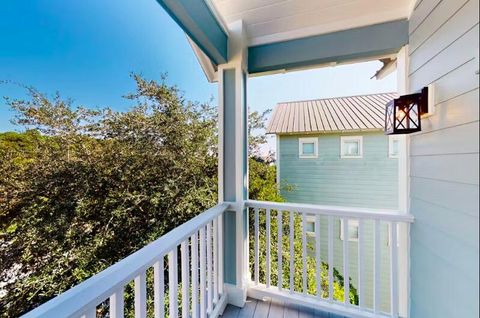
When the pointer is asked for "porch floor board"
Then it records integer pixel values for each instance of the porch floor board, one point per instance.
(273, 309)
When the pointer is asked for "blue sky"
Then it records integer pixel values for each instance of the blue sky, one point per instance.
(87, 49)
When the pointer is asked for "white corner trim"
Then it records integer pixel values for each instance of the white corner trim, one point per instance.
(344, 139)
(221, 135)
(308, 140)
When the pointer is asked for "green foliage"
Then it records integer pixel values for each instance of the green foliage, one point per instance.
(83, 189)
(311, 269)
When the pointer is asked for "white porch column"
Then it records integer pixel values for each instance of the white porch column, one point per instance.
(233, 163)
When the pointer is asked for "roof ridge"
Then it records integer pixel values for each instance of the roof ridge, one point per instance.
(330, 98)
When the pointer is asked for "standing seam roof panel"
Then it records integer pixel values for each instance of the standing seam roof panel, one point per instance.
(333, 114)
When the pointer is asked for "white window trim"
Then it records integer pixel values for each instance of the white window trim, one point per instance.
(309, 140)
(350, 223)
(391, 139)
(310, 219)
(344, 139)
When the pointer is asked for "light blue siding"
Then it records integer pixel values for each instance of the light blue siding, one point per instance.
(444, 40)
(371, 181)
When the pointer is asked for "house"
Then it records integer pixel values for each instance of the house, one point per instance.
(334, 152)
(434, 270)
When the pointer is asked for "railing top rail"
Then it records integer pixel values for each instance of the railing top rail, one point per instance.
(337, 211)
(99, 287)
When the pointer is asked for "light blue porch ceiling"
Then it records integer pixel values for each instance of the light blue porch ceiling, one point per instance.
(200, 24)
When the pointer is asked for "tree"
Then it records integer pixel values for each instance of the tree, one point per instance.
(81, 189)
(85, 188)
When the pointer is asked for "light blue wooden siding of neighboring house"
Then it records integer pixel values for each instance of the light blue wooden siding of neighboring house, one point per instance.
(444, 175)
(371, 181)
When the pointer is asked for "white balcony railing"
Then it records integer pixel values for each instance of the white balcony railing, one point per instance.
(200, 244)
(196, 287)
(371, 226)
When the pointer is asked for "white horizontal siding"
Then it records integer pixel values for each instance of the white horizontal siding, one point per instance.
(462, 198)
(461, 168)
(464, 50)
(451, 140)
(444, 160)
(461, 110)
(460, 23)
(437, 16)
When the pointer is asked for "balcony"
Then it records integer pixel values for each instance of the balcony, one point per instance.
(226, 259)
(189, 267)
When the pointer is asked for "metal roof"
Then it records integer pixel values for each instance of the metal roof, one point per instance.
(363, 112)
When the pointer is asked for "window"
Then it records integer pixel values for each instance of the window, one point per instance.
(393, 146)
(352, 230)
(351, 147)
(308, 147)
(310, 226)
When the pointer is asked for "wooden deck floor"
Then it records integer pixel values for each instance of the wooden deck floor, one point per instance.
(272, 309)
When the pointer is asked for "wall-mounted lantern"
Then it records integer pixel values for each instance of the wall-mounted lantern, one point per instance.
(403, 114)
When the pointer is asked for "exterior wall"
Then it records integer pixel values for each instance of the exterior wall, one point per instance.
(370, 181)
(444, 175)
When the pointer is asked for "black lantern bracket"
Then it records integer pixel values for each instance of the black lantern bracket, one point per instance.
(404, 115)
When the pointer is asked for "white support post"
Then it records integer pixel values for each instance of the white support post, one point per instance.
(233, 162)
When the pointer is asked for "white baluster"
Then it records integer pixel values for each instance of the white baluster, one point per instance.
(195, 302)
(394, 269)
(318, 259)
(279, 249)
(377, 269)
(346, 281)
(185, 279)
(215, 261)
(220, 254)
(268, 247)
(330, 258)
(158, 289)
(203, 300)
(257, 253)
(292, 251)
(173, 282)
(141, 296)
(117, 304)
(209, 269)
(361, 263)
(304, 253)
